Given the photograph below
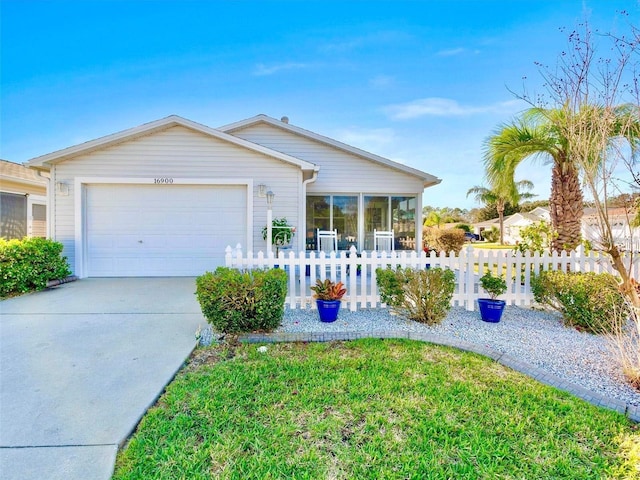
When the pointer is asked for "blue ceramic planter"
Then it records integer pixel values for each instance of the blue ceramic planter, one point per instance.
(491, 310)
(328, 310)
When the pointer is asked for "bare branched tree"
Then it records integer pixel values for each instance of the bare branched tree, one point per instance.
(595, 87)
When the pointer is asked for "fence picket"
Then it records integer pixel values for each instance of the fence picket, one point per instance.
(467, 277)
(304, 268)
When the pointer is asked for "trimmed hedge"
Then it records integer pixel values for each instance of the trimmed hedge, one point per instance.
(234, 301)
(28, 264)
(586, 301)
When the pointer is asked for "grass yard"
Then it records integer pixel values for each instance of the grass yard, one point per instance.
(370, 409)
(491, 246)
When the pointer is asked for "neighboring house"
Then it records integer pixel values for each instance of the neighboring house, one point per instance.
(513, 224)
(624, 235)
(480, 227)
(166, 198)
(23, 202)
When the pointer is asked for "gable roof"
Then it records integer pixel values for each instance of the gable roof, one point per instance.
(428, 179)
(44, 161)
(10, 171)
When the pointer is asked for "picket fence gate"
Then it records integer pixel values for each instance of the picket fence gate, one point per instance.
(357, 270)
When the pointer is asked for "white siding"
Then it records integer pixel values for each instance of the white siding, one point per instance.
(340, 171)
(182, 153)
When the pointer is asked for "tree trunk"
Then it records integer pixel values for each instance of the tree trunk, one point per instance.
(566, 206)
(500, 209)
(627, 286)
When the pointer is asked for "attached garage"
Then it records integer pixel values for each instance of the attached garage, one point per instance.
(161, 230)
(168, 197)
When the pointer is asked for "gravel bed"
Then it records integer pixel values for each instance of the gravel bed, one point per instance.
(533, 336)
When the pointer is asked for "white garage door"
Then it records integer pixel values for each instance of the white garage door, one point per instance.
(162, 230)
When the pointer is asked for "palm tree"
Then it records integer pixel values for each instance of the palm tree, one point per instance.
(434, 219)
(556, 136)
(503, 192)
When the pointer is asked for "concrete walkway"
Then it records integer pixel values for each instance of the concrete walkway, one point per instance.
(79, 366)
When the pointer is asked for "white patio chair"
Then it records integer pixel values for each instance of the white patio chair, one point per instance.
(383, 241)
(327, 240)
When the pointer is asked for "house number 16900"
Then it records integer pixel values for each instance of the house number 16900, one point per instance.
(163, 180)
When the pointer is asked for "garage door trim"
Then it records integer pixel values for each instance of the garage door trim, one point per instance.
(80, 205)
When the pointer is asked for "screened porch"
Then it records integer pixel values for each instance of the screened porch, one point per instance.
(356, 217)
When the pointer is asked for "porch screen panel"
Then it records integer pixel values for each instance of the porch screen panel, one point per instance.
(14, 215)
(403, 215)
(318, 216)
(376, 217)
(345, 220)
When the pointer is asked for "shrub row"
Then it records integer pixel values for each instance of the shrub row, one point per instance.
(234, 301)
(28, 264)
(421, 295)
(587, 301)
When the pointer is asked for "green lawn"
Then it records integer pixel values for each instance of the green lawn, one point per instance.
(370, 409)
(491, 246)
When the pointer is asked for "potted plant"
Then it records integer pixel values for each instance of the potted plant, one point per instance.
(328, 296)
(491, 308)
(281, 233)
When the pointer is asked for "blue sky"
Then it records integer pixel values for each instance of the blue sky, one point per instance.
(419, 82)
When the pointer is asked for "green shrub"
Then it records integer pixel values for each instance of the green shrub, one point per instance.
(536, 237)
(494, 286)
(233, 301)
(585, 300)
(421, 295)
(450, 239)
(28, 264)
(491, 235)
(390, 284)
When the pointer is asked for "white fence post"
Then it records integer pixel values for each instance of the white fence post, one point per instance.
(227, 257)
(467, 274)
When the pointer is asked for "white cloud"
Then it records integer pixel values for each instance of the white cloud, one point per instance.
(384, 37)
(381, 81)
(445, 107)
(370, 140)
(451, 52)
(263, 70)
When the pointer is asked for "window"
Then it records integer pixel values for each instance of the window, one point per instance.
(39, 220)
(376, 217)
(14, 215)
(332, 212)
(379, 212)
(403, 215)
(391, 213)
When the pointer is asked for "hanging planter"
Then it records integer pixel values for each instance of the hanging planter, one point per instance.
(281, 233)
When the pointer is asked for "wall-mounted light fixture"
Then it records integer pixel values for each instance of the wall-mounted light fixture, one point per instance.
(62, 188)
(262, 190)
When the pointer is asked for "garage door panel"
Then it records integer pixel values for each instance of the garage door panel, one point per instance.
(149, 230)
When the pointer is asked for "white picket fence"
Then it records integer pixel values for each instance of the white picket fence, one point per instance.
(358, 271)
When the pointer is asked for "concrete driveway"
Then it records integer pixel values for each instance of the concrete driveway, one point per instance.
(80, 364)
